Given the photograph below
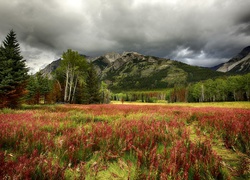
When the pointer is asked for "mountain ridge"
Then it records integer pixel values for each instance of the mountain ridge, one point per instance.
(134, 71)
(238, 64)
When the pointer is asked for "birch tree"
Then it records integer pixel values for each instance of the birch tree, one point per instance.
(246, 82)
(73, 66)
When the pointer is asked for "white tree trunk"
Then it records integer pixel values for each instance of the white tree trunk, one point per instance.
(74, 91)
(71, 86)
(202, 93)
(66, 85)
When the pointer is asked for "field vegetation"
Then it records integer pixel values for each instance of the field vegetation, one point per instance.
(125, 141)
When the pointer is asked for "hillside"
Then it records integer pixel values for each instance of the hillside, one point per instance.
(134, 71)
(238, 64)
(50, 68)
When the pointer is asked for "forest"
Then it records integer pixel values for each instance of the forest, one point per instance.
(230, 88)
(76, 81)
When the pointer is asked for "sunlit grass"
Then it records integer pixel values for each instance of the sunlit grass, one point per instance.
(238, 104)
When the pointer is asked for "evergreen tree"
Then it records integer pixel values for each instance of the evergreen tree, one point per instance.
(38, 88)
(33, 93)
(92, 86)
(13, 72)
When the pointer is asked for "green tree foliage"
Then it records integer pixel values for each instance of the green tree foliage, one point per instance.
(246, 85)
(32, 95)
(13, 72)
(71, 73)
(105, 93)
(141, 96)
(235, 87)
(92, 86)
(210, 90)
(232, 88)
(39, 89)
(196, 92)
(221, 90)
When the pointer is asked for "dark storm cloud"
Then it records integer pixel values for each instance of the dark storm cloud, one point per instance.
(197, 32)
(243, 22)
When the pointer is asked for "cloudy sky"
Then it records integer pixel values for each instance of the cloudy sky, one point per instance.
(196, 32)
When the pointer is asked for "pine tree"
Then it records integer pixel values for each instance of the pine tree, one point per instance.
(39, 87)
(92, 86)
(13, 72)
(33, 94)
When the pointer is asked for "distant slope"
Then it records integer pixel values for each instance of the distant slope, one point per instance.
(238, 64)
(47, 71)
(134, 71)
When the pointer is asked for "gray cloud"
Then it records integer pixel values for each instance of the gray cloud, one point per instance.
(197, 32)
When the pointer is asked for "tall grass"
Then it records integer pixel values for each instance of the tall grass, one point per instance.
(117, 141)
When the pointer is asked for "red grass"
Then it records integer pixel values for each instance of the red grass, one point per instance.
(45, 143)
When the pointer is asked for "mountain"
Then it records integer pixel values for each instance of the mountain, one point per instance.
(238, 64)
(50, 68)
(104, 61)
(134, 71)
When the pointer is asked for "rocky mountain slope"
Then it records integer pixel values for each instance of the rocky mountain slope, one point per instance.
(134, 71)
(238, 64)
(50, 68)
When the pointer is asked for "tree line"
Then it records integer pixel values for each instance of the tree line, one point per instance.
(141, 96)
(75, 81)
(228, 88)
(231, 88)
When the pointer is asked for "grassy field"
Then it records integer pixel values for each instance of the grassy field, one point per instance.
(126, 141)
(243, 104)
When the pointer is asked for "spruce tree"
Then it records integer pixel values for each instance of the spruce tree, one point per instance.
(38, 88)
(92, 86)
(13, 72)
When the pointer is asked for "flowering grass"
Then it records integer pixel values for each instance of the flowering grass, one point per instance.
(121, 142)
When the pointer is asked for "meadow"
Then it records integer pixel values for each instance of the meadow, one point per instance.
(126, 141)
